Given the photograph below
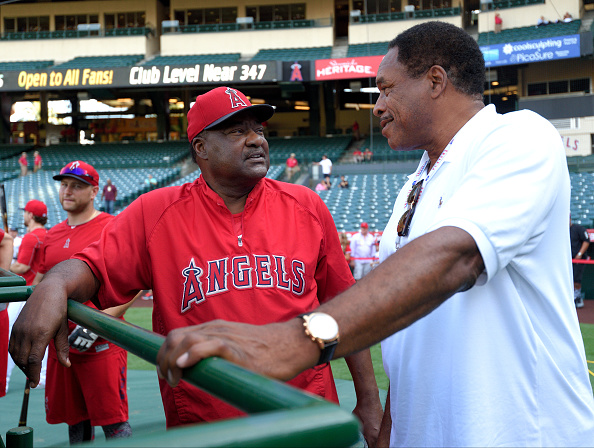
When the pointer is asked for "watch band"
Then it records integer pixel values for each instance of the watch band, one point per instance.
(327, 352)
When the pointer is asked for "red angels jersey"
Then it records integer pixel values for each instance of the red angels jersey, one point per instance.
(61, 242)
(30, 252)
(279, 258)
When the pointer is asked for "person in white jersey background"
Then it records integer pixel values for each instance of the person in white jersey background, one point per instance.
(363, 245)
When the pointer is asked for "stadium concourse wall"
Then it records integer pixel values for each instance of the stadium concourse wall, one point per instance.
(60, 50)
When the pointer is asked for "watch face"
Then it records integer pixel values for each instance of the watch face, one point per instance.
(323, 326)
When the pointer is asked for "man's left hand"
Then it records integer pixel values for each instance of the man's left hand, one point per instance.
(370, 413)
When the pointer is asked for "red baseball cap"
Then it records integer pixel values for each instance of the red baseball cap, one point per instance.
(36, 207)
(81, 171)
(217, 105)
(365, 225)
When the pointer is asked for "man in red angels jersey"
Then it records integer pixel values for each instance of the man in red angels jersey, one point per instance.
(92, 392)
(222, 247)
(5, 259)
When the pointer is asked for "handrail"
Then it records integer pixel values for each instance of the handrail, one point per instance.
(67, 34)
(285, 415)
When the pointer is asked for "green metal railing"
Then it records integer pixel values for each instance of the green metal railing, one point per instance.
(281, 415)
(76, 34)
(405, 15)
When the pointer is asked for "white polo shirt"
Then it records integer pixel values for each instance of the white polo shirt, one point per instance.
(502, 364)
(326, 165)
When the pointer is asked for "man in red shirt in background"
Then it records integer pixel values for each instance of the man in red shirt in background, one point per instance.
(27, 264)
(37, 161)
(292, 166)
(109, 195)
(92, 392)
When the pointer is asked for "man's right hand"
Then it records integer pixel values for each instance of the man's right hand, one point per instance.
(43, 318)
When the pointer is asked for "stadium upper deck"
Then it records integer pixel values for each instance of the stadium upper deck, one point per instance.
(311, 60)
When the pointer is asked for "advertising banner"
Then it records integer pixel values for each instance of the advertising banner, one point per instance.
(347, 68)
(539, 50)
(145, 75)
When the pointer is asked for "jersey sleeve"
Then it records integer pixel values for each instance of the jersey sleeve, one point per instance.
(333, 274)
(27, 249)
(119, 259)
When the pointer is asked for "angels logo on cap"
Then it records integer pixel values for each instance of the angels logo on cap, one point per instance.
(81, 171)
(236, 100)
(220, 104)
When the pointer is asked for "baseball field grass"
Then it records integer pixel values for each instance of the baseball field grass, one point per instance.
(142, 318)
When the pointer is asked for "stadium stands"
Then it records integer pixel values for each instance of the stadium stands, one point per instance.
(370, 49)
(383, 153)
(9, 150)
(369, 198)
(582, 198)
(109, 155)
(102, 61)
(307, 149)
(194, 59)
(291, 54)
(130, 181)
(529, 33)
(24, 65)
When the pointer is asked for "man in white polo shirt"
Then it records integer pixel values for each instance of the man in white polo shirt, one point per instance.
(326, 165)
(483, 346)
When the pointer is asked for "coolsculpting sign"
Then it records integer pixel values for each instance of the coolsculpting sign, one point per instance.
(552, 48)
(161, 75)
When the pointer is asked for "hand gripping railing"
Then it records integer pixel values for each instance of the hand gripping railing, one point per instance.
(282, 416)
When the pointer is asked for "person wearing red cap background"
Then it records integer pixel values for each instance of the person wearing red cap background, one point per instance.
(35, 218)
(23, 163)
(363, 248)
(222, 247)
(28, 262)
(92, 392)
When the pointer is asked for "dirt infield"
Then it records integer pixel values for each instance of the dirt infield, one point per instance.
(586, 314)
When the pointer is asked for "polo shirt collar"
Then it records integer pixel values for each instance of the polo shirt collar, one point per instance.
(464, 136)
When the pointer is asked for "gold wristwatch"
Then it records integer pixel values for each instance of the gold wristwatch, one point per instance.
(322, 329)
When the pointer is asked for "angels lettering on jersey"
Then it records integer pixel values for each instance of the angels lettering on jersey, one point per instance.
(241, 272)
